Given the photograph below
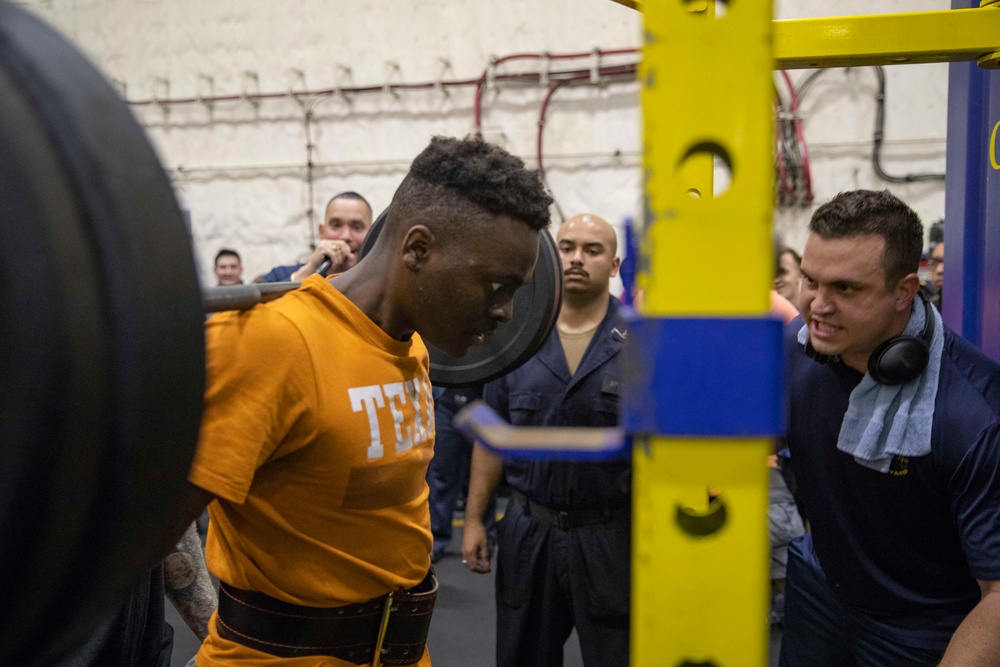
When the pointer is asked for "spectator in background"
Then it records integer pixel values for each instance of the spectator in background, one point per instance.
(448, 473)
(932, 282)
(936, 265)
(936, 233)
(228, 267)
(346, 222)
(784, 522)
(564, 542)
(786, 282)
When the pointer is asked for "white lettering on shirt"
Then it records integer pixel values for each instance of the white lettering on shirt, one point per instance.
(396, 394)
(420, 432)
(393, 397)
(370, 398)
(428, 402)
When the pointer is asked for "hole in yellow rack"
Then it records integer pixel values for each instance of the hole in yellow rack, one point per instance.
(705, 168)
(716, 8)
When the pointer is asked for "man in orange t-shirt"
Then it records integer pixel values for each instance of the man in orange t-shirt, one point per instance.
(319, 420)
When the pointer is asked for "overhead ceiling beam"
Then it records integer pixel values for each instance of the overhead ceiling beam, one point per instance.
(950, 35)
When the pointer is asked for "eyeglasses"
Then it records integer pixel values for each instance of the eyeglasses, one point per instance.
(931, 263)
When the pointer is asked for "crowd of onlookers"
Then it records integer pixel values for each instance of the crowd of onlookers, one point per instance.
(346, 221)
(882, 494)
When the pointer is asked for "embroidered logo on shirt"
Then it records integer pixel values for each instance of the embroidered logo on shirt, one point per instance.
(899, 466)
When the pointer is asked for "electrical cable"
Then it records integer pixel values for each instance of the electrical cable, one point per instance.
(310, 178)
(809, 81)
(538, 144)
(489, 76)
(793, 185)
(877, 140)
(310, 113)
(800, 149)
(783, 187)
(611, 71)
(302, 94)
(490, 73)
(879, 133)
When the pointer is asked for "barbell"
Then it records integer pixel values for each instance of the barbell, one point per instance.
(102, 321)
(536, 308)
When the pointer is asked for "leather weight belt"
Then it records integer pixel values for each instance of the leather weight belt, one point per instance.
(571, 518)
(388, 630)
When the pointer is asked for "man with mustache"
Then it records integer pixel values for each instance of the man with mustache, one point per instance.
(564, 543)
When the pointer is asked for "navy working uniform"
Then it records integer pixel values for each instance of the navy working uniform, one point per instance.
(564, 542)
(280, 274)
(448, 472)
(897, 554)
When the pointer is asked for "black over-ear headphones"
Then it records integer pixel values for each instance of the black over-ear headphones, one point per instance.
(899, 359)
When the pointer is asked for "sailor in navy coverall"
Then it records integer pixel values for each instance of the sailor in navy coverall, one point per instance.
(564, 542)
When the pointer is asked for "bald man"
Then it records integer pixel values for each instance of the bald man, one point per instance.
(563, 560)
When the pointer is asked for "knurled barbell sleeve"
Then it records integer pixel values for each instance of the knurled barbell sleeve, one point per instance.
(243, 297)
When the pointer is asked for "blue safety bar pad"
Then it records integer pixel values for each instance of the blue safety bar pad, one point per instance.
(704, 377)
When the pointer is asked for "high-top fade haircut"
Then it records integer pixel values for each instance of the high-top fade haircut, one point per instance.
(461, 182)
(867, 212)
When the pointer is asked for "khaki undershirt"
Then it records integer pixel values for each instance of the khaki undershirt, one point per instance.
(575, 345)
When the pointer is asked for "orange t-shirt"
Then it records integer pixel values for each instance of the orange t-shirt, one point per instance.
(317, 432)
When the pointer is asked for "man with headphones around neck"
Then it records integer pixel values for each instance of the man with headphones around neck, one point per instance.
(894, 431)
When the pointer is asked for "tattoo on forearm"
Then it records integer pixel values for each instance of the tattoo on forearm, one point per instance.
(188, 585)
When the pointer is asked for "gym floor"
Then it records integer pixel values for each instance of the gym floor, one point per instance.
(463, 633)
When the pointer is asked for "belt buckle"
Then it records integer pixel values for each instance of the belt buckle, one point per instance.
(386, 612)
(562, 517)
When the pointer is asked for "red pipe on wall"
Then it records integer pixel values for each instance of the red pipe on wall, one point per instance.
(481, 82)
(449, 83)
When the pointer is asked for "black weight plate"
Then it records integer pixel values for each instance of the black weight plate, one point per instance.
(536, 308)
(54, 387)
(152, 346)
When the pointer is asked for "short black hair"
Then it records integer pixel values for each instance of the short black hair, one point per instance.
(226, 252)
(936, 234)
(867, 212)
(350, 194)
(786, 250)
(461, 179)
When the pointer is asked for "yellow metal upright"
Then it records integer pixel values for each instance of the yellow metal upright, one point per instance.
(699, 570)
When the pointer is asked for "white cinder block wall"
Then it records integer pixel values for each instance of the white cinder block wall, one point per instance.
(240, 168)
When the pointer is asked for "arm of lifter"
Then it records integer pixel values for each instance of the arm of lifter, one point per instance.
(977, 640)
(189, 508)
(487, 469)
(188, 585)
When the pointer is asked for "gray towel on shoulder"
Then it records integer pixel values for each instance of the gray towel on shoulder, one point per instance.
(883, 421)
